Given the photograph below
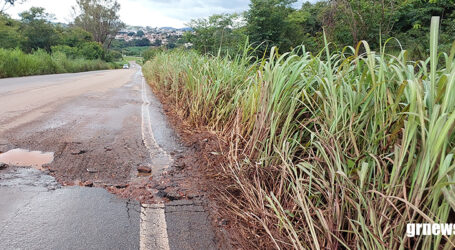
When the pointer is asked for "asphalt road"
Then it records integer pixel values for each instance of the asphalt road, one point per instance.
(107, 122)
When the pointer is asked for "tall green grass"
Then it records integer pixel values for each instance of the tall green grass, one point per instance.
(14, 63)
(336, 150)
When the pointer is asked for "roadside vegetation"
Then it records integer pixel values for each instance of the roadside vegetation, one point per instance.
(35, 44)
(128, 59)
(284, 24)
(335, 149)
(14, 63)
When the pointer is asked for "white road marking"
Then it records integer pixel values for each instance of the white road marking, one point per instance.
(153, 232)
(153, 229)
(147, 131)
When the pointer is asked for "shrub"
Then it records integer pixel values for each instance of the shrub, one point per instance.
(112, 56)
(91, 51)
(87, 50)
(71, 52)
(151, 53)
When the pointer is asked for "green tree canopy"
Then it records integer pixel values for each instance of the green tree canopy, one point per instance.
(9, 32)
(267, 22)
(209, 35)
(100, 18)
(37, 30)
(140, 33)
(75, 36)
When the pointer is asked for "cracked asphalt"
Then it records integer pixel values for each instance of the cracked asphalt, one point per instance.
(107, 122)
(37, 213)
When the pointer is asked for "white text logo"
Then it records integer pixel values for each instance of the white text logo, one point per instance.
(413, 230)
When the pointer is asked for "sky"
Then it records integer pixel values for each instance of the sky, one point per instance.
(154, 13)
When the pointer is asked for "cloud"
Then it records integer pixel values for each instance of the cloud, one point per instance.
(155, 13)
(179, 11)
(60, 8)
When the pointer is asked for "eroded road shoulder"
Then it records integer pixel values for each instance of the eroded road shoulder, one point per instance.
(110, 138)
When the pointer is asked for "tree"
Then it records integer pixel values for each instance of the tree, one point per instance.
(218, 32)
(37, 30)
(75, 36)
(9, 32)
(142, 42)
(91, 50)
(100, 18)
(140, 33)
(350, 21)
(413, 22)
(267, 22)
(304, 27)
(157, 43)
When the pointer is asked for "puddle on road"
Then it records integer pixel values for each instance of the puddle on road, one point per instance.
(26, 158)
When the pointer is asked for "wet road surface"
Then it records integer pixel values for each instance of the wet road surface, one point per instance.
(100, 126)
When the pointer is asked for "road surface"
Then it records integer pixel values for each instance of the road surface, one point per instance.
(98, 127)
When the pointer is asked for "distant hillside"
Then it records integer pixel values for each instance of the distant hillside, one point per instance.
(152, 29)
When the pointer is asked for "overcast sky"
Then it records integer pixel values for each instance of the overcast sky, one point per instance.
(155, 13)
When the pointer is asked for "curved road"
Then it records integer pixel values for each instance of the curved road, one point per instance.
(100, 126)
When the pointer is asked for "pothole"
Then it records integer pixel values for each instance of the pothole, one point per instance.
(26, 158)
